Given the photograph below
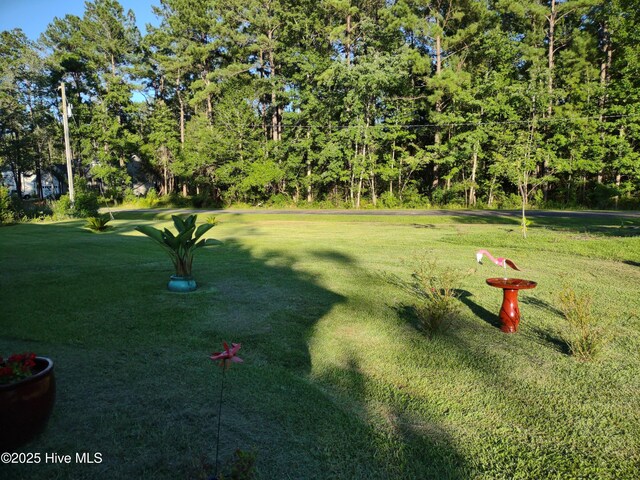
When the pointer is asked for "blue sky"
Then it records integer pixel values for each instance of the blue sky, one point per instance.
(33, 16)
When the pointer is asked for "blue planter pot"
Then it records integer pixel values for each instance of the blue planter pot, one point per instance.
(181, 284)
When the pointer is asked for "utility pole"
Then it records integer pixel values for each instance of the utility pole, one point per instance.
(67, 145)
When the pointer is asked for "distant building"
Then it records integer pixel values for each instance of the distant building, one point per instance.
(51, 187)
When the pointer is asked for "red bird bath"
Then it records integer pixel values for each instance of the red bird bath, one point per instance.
(509, 311)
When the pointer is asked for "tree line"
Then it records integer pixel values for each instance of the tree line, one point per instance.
(343, 102)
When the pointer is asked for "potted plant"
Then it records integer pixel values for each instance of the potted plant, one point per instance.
(27, 395)
(181, 247)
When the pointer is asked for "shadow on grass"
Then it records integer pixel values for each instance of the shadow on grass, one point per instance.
(409, 447)
(612, 224)
(423, 225)
(479, 311)
(552, 340)
(541, 304)
(135, 382)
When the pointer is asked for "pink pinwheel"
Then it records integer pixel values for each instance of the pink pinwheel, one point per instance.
(229, 354)
(502, 262)
(225, 358)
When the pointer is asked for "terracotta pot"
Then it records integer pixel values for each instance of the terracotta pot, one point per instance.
(25, 406)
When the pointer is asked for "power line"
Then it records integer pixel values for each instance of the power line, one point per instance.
(564, 120)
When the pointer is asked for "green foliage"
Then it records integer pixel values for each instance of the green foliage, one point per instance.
(7, 214)
(99, 223)
(86, 200)
(182, 245)
(392, 104)
(150, 200)
(434, 289)
(389, 200)
(584, 333)
(62, 207)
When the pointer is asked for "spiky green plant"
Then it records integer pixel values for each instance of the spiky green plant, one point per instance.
(98, 224)
(182, 245)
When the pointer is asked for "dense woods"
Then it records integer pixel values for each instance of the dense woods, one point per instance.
(337, 102)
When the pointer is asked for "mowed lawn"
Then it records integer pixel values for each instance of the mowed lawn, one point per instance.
(337, 381)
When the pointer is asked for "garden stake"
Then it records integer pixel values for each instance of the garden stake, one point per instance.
(226, 356)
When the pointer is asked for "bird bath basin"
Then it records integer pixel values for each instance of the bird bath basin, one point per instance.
(509, 311)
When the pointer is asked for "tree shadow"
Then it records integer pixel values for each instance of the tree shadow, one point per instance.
(408, 447)
(423, 225)
(128, 350)
(619, 224)
(333, 256)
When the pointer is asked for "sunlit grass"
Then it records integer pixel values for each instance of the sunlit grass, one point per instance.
(337, 381)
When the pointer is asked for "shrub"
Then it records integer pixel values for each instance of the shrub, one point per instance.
(86, 204)
(583, 336)
(151, 198)
(280, 200)
(435, 293)
(389, 200)
(62, 207)
(129, 197)
(99, 223)
(7, 214)
(411, 198)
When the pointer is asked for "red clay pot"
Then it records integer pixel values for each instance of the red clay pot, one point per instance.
(25, 406)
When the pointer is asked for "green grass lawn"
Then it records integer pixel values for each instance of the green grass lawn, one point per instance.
(337, 381)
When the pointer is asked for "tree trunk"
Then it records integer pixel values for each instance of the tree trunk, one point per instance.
(352, 176)
(359, 195)
(490, 197)
(275, 121)
(474, 169)
(605, 67)
(605, 73)
(347, 47)
(181, 103)
(552, 18)
(438, 108)
(552, 28)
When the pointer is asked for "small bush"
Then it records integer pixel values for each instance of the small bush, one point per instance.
(98, 224)
(151, 198)
(435, 289)
(435, 292)
(411, 198)
(86, 204)
(389, 200)
(129, 197)
(7, 214)
(280, 200)
(62, 207)
(583, 336)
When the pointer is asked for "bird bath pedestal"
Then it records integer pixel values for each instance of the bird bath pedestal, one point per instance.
(509, 312)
